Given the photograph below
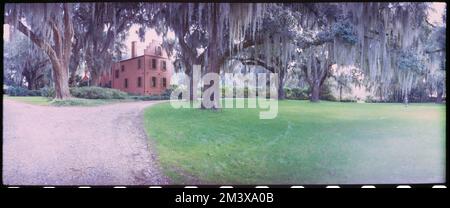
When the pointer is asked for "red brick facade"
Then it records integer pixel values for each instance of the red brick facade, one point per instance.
(148, 74)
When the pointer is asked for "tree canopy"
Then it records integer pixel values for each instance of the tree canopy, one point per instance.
(393, 45)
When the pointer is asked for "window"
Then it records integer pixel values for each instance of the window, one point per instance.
(153, 81)
(154, 63)
(126, 83)
(163, 63)
(139, 81)
(164, 82)
(158, 51)
(139, 63)
(117, 73)
(123, 68)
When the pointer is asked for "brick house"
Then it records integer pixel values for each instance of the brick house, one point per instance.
(148, 74)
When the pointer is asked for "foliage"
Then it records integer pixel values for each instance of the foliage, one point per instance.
(47, 91)
(83, 102)
(150, 97)
(281, 37)
(409, 60)
(22, 59)
(101, 38)
(97, 93)
(345, 30)
(169, 91)
(49, 26)
(296, 93)
(346, 100)
(326, 94)
(20, 91)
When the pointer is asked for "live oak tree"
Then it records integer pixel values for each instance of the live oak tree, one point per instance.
(190, 38)
(100, 32)
(370, 36)
(310, 38)
(436, 61)
(49, 27)
(226, 27)
(23, 61)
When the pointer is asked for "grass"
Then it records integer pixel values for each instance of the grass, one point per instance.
(38, 100)
(307, 143)
(86, 102)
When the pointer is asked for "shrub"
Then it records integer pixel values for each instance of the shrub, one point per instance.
(21, 91)
(296, 93)
(69, 102)
(34, 93)
(326, 94)
(47, 91)
(151, 97)
(97, 93)
(169, 90)
(80, 102)
(348, 101)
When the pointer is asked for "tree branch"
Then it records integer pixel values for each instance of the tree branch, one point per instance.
(307, 76)
(435, 51)
(255, 61)
(45, 46)
(68, 34)
(56, 38)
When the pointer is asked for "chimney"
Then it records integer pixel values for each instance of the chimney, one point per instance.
(133, 49)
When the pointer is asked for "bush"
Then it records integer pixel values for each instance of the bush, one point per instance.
(348, 101)
(82, 102)
(69, 102)
(47, 91)
(34, 93)
(326, 94)
(150, 97)
(169, 91)
(97, 93)
(17, 91)
(296, 93)
(21, 91)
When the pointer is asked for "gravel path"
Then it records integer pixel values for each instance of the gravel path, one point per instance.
(101, 145)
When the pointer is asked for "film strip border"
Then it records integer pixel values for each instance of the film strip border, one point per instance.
(251, 186)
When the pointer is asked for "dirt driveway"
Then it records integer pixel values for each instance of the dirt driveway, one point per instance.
(101, 145)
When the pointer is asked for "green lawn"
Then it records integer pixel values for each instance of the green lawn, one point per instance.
(38, 100)
(308, 143)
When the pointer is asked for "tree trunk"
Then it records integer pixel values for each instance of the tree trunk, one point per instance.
(381, 94)
(59, 53)
(61, 81)
(281, 94)
(315, 92)
(191, 89)
(405, 99)
(213, 62)
(73, 72)
(28, 79)
(340, 93)
(190, 73)
(73, 79)
(440, 93)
